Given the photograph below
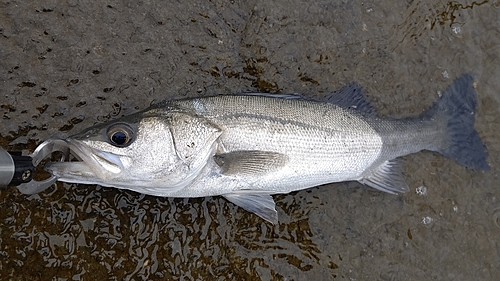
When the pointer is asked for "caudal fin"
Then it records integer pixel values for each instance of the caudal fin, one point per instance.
(456, 109)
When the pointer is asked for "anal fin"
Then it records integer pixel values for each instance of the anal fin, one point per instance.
(387, 177)
(258, 203)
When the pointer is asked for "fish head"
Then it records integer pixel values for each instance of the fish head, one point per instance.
(151, 151)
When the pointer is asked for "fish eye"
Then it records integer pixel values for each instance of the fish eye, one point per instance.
(120, 135)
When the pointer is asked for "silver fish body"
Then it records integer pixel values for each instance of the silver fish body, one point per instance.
(248, 147)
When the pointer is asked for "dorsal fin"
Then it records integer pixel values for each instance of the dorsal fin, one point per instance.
(280, 96)
(352, 97)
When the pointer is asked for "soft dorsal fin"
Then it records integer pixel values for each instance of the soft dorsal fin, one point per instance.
(387, 177)
(250, 162)
(352, 97)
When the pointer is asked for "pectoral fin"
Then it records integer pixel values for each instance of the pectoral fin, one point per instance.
(250, 162)
(260, 204)
(387, 177)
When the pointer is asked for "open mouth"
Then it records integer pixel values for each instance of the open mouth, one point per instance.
(85, 164)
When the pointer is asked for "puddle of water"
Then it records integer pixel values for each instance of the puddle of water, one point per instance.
(69, 66)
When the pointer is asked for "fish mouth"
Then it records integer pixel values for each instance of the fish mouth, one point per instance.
(88, 166)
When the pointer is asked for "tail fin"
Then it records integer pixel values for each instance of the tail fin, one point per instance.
(457, 108)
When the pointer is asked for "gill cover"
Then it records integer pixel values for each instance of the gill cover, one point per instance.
(193, 138)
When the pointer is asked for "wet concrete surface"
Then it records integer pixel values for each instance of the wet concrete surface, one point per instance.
(65, 66)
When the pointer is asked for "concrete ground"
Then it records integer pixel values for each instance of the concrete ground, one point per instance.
(66, 65)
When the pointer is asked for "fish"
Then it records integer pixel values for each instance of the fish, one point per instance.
(249, 147)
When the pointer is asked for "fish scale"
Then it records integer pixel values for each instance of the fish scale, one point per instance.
(338, 144)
